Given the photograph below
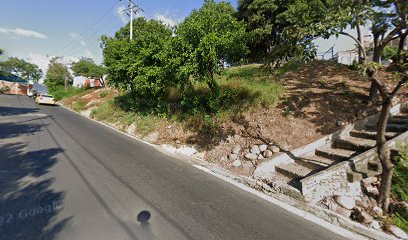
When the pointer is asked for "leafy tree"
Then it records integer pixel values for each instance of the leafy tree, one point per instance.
(137, 65)
(1, 51)
(283, 30)
(57, 75)
(208, 39)
(21, 68)
(387, 97)
(389, 21)
(86, 67)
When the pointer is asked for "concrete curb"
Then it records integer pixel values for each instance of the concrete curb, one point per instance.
(325, 218)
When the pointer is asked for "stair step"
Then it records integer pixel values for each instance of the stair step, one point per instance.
(293, 170)
(399, 119)
(370, 134)
(391, 127)
(336, 154)
(318, 161)
(354, 144)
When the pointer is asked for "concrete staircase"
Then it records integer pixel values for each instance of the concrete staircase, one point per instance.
(341, 149)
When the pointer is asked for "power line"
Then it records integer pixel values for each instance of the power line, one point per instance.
(90, 27)
(115, 26)
(91, 35)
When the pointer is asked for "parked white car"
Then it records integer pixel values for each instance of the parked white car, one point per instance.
(45, 99)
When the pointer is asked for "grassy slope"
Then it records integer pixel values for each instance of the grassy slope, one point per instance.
(400, 188)
(243, 88)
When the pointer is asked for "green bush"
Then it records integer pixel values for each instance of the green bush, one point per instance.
(389, 52)
(60, 93)
(400, 178)
(102, 94)
(78, 106)
(4, 89)
(399, 189)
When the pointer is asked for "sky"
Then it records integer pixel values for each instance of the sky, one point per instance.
(39, 30)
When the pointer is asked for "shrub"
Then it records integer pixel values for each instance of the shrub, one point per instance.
(102, 94)
(399, 188)
(60, 93)
(4, 89)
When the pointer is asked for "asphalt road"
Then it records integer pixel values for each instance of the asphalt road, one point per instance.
(63, 176)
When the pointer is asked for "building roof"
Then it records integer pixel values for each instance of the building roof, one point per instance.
(8, 77)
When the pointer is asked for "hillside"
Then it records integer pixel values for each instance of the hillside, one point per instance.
(288, 107)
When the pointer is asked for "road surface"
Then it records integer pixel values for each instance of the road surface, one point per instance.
(63, 176)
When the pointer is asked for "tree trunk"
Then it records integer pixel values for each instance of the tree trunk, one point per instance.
(384, 155)
(401, 46)
(377, 54)
(361, 49)
(374, 88)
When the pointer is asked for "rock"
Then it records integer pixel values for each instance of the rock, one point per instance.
(263, 147)
(255, 150)
(267, 153)
(340, 123)
(364, 217)
(236, 149)
(344, 212)
(233, 157)
(274, 149)
(131, 129)
(260, 157)
(375, 225)
(369, 181)
(224, 158)
(398, 232)
(372, 190)
(251, 156)
(345, 201)
(362, 204)
(152, 137)
(247, 167)
(178, 142)
(378, 211)
(236, 163)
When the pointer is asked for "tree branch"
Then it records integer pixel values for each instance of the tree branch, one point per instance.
(391, 35)
(380, 84)
(360, 45)
(400, 84)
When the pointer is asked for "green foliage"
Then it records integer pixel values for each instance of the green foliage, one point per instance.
(389, 52)
(137, 65)
(114, 111)
(21, 68)
(400, 179)
(57, 74)
(399, 189)
(211, 37)
(102, 94)
(78, 106)
(4, 89)
(86, 67)
(284, 30)
(60, 93)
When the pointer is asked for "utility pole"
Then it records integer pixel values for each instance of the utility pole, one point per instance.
(131, 19)
(134, 9)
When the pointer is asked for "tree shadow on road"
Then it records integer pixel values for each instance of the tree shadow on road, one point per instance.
(28, 204)
(11, 130)
(10, 111)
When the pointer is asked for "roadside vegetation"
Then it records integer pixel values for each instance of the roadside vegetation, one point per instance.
(61, 92)
(399, 189)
